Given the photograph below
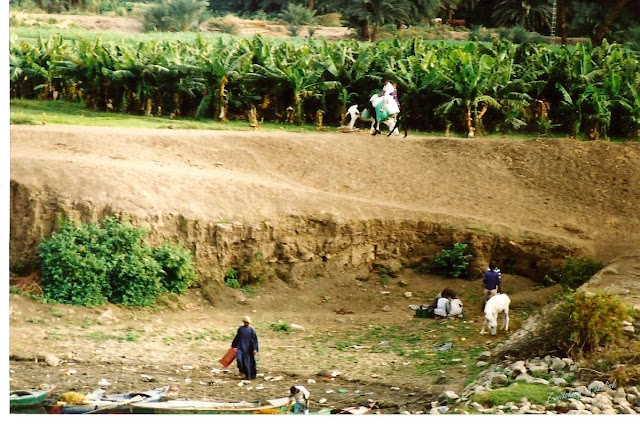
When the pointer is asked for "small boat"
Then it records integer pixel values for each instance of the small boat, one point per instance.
(110, 404)
(183, 406)
(29, 397)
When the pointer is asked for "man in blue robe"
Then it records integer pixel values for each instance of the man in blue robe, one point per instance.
(246, 342)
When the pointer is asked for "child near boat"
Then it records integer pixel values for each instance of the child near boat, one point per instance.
(299, 399)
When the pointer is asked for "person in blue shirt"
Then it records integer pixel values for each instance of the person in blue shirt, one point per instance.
(246, 342)
(492, 281)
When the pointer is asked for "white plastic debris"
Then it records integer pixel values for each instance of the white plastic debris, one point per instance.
(104, 383)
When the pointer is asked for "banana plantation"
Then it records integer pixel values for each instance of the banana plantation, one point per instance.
(473, 88)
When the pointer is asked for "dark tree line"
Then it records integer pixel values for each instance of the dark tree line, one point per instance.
(595, 19)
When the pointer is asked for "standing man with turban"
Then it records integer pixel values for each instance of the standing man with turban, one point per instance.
(246, 342)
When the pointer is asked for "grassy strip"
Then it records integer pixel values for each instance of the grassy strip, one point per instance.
(38, 112)
(35, 112)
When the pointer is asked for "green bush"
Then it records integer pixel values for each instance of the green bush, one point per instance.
(177, 264)
(330, 20)
(452, 263)
(176, 15)
(582, 322)
(231, 279)
(135, 278)
(93, 263)
(297, 15)
(72, 271)
(576, 272)
(227, 24)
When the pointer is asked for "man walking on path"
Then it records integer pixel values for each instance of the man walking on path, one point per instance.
(492, 280)
(246, 342)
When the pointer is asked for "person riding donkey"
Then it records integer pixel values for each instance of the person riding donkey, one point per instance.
(386, 107)
(382, 107)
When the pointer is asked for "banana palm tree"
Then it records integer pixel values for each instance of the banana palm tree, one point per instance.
(297, 71)
(222, 63)
(465, 79)
(416, 76)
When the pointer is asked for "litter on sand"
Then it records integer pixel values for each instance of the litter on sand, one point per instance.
(445, 346)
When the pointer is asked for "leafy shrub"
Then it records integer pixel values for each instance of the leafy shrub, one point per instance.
(576, 272)
(231, 279)
(297, 15)
(452, 263)
(582, 322)
(227, 24)
(384, 275)
(177, 264)
(93, 263)
(293, 30)
(330, 20)
(479, 33)
(176, 15)
(135, 279)
(73, 272)
(519, 34)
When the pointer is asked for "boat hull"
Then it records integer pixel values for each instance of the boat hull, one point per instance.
(28, 398)
(275, 406)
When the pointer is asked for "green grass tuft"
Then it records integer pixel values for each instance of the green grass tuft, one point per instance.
(534, 392)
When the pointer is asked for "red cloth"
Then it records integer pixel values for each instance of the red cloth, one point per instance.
(229, 357)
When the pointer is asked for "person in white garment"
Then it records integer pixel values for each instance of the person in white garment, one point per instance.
(443, 307)
(456, 307)
(299, 399)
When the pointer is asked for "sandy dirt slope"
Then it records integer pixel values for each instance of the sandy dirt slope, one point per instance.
(586, 192)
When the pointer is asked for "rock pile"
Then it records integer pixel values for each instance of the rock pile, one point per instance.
(566, 394)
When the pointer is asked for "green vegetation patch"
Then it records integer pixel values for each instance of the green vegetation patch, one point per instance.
(129, 336)
(89, 264)
(534, 392)
(450, 263)
(281, 326)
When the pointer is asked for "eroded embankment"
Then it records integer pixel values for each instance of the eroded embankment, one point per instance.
(293, 247)
(299, 202)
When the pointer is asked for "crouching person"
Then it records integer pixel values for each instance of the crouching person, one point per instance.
(456, 307)
(299, 399)
(443, 307)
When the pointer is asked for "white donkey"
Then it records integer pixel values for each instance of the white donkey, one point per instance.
(386, 109)
(495, 305)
